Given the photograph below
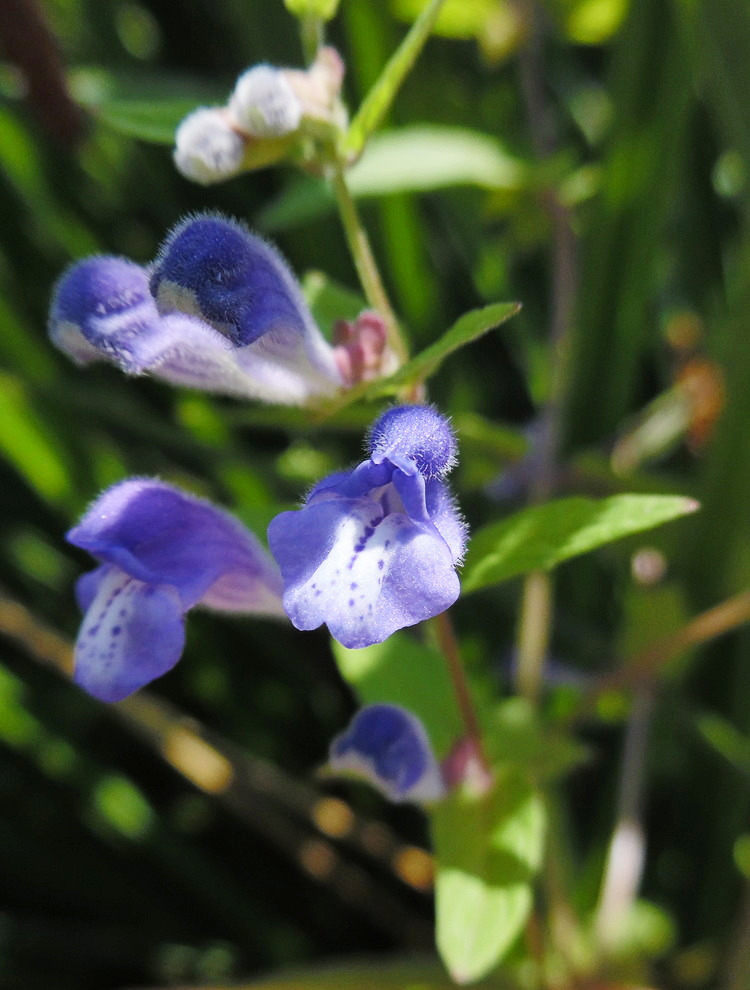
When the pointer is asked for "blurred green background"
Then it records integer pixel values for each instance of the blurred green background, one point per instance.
(181, 836)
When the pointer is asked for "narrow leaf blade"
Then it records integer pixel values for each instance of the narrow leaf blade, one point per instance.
(378, 101)
(543, 536)
(465, 330)
(148, 120)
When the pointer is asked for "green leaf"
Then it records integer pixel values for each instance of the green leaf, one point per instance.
(325, 9)
(516, 736)
(467, 328)
(427, 157)
(25, 442)
(378, 101)
(149, 120)
(458, 18)
(405, 672)
(543, 536)
(487, 851)
(405, 160)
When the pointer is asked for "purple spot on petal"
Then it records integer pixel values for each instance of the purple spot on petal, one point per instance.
(116, 630)
(351, 603)
(381, 565)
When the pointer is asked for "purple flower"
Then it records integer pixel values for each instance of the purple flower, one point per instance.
(161, 551)
(218, 310)
(388, 746)
(375, 549)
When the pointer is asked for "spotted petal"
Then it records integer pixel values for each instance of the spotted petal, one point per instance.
(362, 573)
(132, 633)
(160, 535)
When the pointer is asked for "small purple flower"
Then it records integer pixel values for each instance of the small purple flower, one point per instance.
(218, 310)
(161, 551)
(388, 746)
(375, 549)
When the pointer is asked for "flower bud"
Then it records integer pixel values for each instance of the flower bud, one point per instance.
(207, 148)
(264, 104)
(416, 432)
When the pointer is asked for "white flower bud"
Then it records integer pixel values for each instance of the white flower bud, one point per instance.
(207, 149)
(264, 104)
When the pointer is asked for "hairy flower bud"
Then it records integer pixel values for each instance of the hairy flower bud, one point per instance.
(207, 148)
(264, 104)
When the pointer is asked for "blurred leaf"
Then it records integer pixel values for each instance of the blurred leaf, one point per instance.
(149, 120)
(426, 157)
(414, 159)
(726, 740)
(378, 101)
(25, 442)
(487, 851)
(516, 736)
(405, 672)
(497, 26)
(543, 536)
(593, 22)
(646, 931)
(120, 805)
(324, 9)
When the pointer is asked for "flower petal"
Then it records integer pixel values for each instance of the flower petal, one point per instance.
(161, 535)
(132, 633)
(102, 307)
(195, 355)
(363, 574)
(388, 746)
(446, 518)
(241, 285)
(213, 267)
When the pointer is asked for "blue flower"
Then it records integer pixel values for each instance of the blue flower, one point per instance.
(375, 549)
(161, 551)
(218, 310)
(388, 746)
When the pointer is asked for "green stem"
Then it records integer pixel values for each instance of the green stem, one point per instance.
(364, 261)
(311, 33)
(449, 647)
(533, 633)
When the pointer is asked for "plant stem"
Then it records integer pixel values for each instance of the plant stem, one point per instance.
(450, 649)
(646, 665)
(626, 854)
(311, 33)
(533, 633)
(537, 602)
(364, 261)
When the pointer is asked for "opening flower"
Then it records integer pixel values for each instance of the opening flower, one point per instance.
(388, 746)
(161, 552)
(218, 310)
(375, 549)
